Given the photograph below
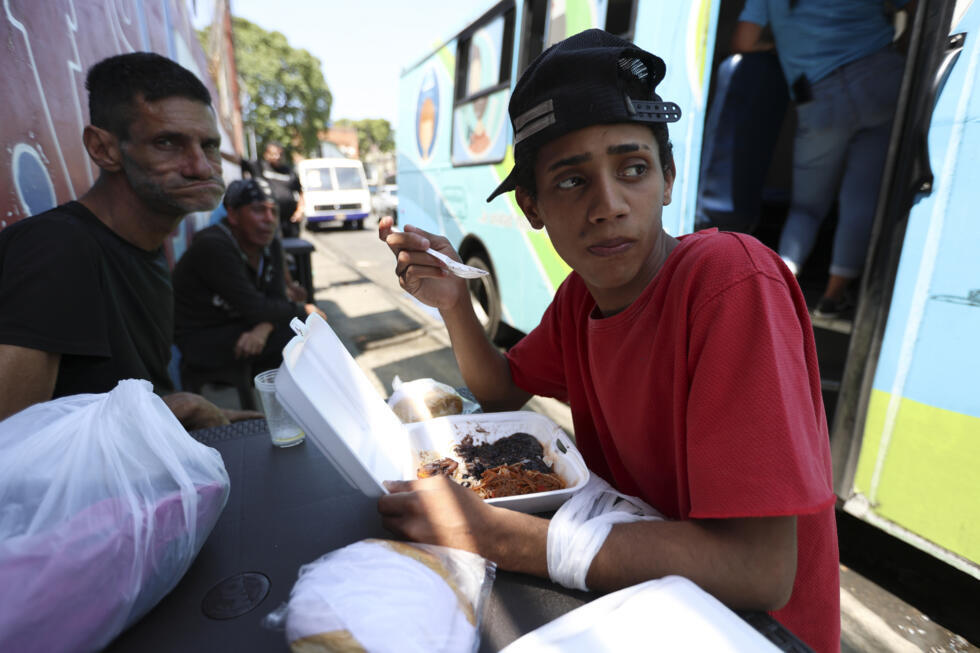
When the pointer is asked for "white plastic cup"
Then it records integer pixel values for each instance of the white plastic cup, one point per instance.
(284, 431)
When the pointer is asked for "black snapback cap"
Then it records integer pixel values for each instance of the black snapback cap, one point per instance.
(245, 191)
(591, 78)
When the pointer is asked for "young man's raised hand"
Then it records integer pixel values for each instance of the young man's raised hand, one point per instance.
(419, 273)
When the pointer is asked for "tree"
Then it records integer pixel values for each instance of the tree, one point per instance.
(284, 95)
(371, 131)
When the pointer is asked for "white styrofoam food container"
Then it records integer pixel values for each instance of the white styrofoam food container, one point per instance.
(324, 390)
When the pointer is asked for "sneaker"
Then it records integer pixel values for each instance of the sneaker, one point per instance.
(829, 308)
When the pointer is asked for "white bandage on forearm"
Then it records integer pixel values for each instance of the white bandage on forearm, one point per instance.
(581, 525)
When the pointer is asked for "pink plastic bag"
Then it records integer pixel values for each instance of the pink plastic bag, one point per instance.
(105, 500)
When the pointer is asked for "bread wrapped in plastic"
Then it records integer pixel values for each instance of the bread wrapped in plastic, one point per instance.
(422, 399)
(383, 595)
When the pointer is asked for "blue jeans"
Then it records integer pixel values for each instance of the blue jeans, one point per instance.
(840, 148)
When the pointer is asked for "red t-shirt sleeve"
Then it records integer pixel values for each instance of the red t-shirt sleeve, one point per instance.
(756, 435)
(536, 362)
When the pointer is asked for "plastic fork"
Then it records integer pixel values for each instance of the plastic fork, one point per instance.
(454, 266)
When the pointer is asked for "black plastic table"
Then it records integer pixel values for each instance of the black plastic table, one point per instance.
(288, 507)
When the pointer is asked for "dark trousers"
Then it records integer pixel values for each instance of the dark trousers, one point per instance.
(211, 349)
(289, 229)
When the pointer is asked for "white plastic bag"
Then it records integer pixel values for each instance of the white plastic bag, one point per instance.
(387, 596)
(105, 500)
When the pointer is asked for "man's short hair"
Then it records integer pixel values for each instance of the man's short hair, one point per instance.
(114, 85)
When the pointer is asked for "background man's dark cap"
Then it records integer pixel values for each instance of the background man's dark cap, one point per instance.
(591, 78)
(245, 191)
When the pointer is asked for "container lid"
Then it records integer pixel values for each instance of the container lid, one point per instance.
(322, 387)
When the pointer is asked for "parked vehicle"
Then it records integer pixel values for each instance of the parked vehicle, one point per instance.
(385, 201)
(900, 377)
(334, 189)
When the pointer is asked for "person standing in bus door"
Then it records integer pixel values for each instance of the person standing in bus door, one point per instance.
(844, 74)
(231, 300)
(688, 363)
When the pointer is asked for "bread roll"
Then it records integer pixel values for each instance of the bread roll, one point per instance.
(433, 402)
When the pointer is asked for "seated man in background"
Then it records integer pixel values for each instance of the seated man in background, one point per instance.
(230, 292)
(294, 289)
(85, 291)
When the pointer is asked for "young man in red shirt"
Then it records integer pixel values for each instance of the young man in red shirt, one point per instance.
(689, 363)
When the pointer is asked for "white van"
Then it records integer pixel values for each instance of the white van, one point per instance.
(334, 189)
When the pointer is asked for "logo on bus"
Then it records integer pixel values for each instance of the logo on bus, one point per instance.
(427, 114)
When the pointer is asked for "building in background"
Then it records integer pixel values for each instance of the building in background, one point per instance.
(343, 138)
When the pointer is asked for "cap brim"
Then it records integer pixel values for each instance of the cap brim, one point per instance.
(508, 184)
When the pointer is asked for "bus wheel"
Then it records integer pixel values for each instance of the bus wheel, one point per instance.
(485, 298)
(359, 224)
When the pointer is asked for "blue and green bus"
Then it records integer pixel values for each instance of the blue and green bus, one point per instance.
(454, 137)
(901, 377)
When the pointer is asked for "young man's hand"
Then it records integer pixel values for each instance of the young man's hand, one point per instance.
(438, 511)
(420, 274)
(435, 511)
(485, 370)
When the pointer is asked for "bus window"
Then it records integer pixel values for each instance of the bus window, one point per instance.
(546, 23)
(620, 17)
(532, 37)
(483, 63)
(557, 25)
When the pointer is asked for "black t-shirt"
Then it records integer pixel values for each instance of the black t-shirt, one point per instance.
(283, 181)
(71, 285)
(215, 286)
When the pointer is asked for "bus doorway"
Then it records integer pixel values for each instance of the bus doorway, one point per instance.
(899, 371)
(746, 178)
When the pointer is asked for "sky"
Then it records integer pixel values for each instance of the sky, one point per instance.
(363, 45)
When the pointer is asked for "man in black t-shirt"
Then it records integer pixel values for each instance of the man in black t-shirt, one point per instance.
(85, 292)
(286, 187)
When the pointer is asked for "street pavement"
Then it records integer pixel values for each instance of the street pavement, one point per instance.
(389, 333)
